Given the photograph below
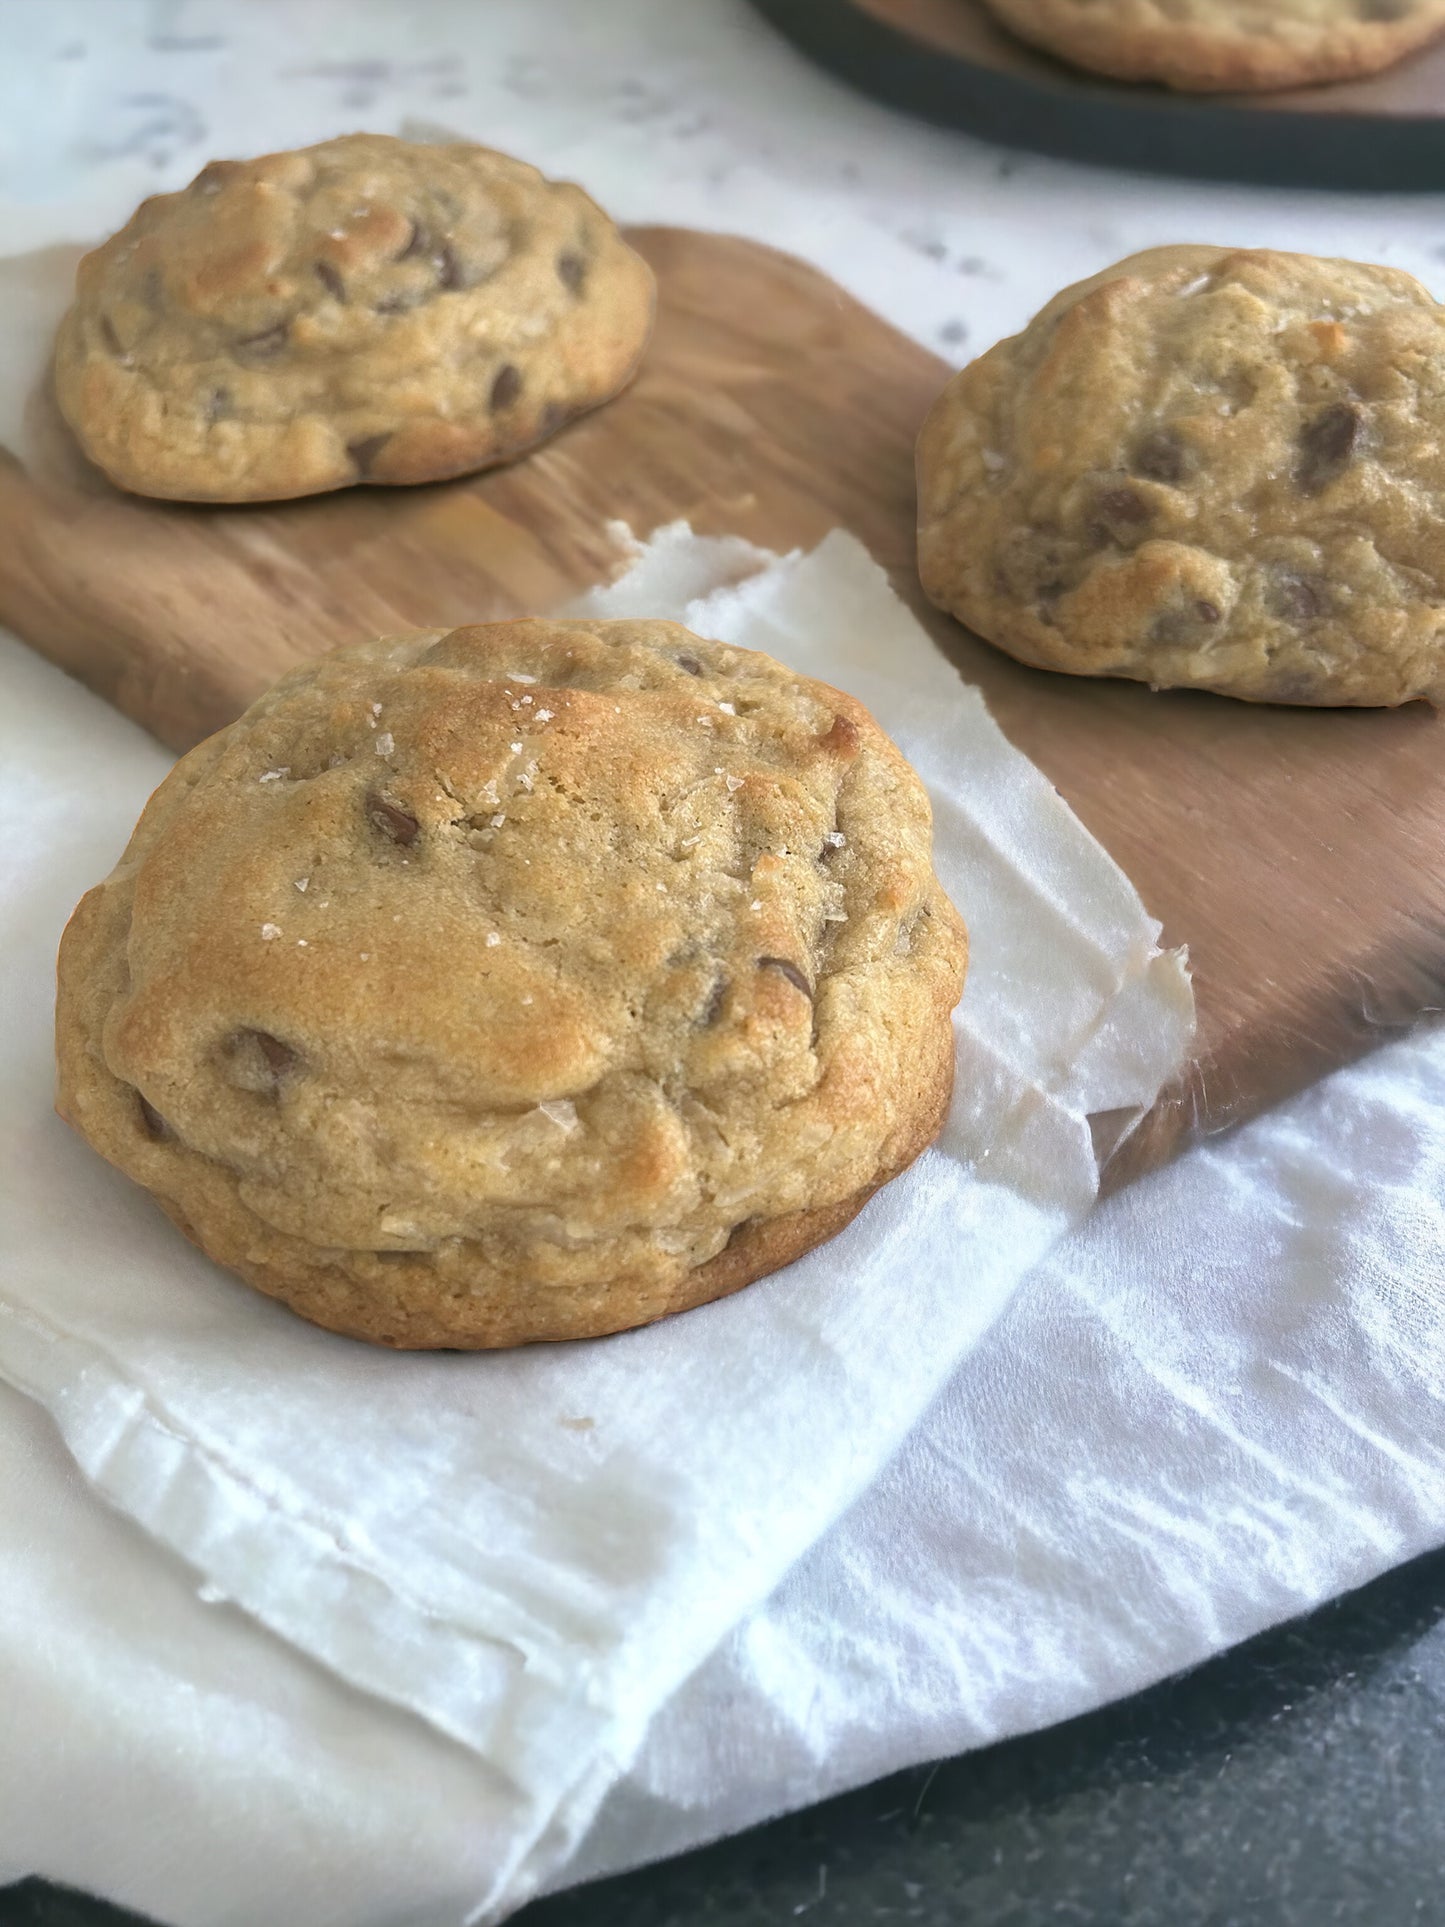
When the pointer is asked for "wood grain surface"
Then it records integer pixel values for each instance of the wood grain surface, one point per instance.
(1300, 854)
(950, 61)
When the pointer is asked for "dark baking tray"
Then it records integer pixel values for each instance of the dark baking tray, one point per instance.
(947, 61)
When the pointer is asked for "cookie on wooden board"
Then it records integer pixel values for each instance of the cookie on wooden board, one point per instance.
(530, 981)
(1227, 45)
(1204, 469)
(367, 310)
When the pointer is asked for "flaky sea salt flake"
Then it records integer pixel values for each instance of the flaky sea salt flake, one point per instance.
(270, 932)
(385, 743)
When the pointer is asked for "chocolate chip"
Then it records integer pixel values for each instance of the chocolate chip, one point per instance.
(152, 1123)
(269, 341)
(1032, 565)
(218, 404)
(1182, 624)
(1295, 597)
(788, 970)
(506, 387)
(279, 1057)
(365, 451)
(571, 271)
(330, 279)
(1326, 444)
(690, 664)
(393, 822)
(449, 273)
(1162, 457)
(1125, 506)
(416, 242)
(258, 1061)
(715, 1003)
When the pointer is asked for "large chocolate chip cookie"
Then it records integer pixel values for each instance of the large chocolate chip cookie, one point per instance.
(369, 310)
(523, 982)
(1208, 469)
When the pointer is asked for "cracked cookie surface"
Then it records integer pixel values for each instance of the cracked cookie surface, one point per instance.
(1218, 45)
(527, 981)
(367, 310)
(1205, 469)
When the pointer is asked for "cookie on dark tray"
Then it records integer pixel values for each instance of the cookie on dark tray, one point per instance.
(1222, 45)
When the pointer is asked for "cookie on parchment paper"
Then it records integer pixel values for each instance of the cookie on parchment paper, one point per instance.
(1226, 45)
(1204, 469)
(530, 981)
(367, 310)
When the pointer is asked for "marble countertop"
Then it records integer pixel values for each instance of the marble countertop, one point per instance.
(1292, 1778)
(687, 111)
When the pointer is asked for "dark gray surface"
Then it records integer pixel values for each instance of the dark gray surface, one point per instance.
(1299, 1779)
(1056, 109)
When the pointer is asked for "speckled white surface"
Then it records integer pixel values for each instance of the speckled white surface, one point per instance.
(1220, 1404)
(668, 110)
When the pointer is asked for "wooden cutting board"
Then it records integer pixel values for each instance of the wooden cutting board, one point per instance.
(1299, 854)
(950, 61)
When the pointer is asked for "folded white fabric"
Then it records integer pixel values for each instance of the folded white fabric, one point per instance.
(1217, 1404)
(532, 1551)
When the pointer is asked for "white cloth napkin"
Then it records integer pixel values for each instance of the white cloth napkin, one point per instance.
(1217, 1404)
(532, 1551)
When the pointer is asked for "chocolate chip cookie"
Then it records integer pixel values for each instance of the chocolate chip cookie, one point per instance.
(1205, 469)
(1218, 45)
(369, 310)
(530, 981)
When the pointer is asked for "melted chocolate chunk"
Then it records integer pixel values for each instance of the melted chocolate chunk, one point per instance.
(506, 387)
(1327, 446)
(1162, 457)
(365, 452)
(279, 1057)
(788, 970)
(270, 341)
(1123, 507)
(395, 823)
(571, 271)
(1296, 598)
